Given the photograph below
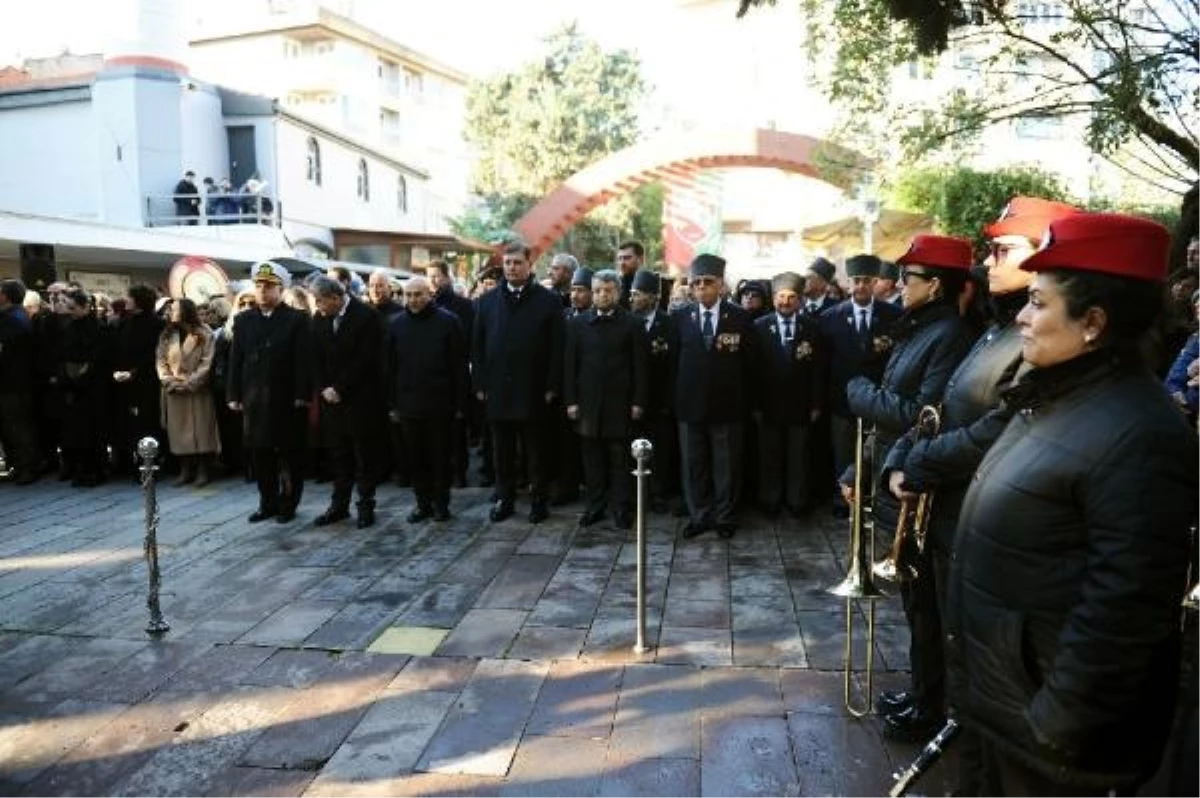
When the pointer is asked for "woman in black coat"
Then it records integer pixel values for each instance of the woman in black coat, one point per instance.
(931, 339)
(82, 369)
(1063, 597)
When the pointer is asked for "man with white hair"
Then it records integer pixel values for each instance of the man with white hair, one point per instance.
(562, 269)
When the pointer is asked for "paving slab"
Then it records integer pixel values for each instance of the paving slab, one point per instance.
(415, 640)
(550, 766)
(547, 643)
(747, 756)
(482, 633)
(436, 674)
(633, 774)
(577, 700)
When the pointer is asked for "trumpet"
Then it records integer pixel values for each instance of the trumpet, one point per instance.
(858, 584)
(913, 522)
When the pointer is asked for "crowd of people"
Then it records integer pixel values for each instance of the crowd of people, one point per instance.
(1042, 601)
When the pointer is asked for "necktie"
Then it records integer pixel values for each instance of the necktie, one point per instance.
(337, 322)
(787, 331)
(863, 326)
(812, 307)
(707, 329)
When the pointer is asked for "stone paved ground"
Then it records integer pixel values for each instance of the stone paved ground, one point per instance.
(438, 659)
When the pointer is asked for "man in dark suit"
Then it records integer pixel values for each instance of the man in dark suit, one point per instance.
(516, 366)
(562, 269)
(788, 399)
(427, 386)
(441, 282)
(821, 274)
(604, 390)
(564, 441)
(630, 257)
(715, 369)
(17, 383)
(271, 385)
(347, 346)
(886, 288)
(658, 421)
(856, 332)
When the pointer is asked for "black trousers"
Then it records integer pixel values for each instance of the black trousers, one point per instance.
(355, 461)
(17, 433)
(842, 433)
(279, 472)
(1002, 774)
(711, 455)
(783, 465)
(532, 437)
(427, 441)
(566, 454)
(607, 475)
(663, 434)
(925, 652)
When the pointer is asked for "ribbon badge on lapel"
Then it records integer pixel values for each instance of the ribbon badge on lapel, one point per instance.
(658, 346)
(729, 342)
(882, 344)
(804, 350)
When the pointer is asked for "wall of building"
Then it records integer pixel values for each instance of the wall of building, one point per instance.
(48, 165)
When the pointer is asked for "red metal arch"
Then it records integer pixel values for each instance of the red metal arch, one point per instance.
(676, 159)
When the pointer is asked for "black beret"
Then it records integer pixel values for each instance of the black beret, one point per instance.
(647, 282)
(582, 276)
(862, 266)
(823, 268)
(706, 265)
(787, 281)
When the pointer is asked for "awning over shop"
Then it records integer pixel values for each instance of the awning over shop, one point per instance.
(890, 236)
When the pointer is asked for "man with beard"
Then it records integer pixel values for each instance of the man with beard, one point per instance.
(347, 348)
(271, 385)
(604, 390)
(631, 256)
(426, 383)
(516, 365)
(562, 269)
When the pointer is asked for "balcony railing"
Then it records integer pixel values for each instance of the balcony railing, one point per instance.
(164, 210)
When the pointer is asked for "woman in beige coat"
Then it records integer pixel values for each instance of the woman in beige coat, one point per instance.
(185, 356)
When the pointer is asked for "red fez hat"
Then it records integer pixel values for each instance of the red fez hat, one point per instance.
(938, 252)
(1028, 217)
(1105, 243)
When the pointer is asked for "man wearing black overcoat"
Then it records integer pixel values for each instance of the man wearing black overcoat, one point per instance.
(713, 378)
(427, 385)
(271, 385)
(516, 367)
(856, 333)
(788, 396)
(605, 390)
(658, 423)
(347, 345)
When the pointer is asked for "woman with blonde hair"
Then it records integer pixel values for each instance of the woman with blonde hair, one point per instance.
(185, 357)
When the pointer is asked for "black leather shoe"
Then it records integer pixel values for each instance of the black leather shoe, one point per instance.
(285, 516)
(538, 512)
(622, 520)
(692, 530)
(260, 514)
(726, 530)
(591, 517)
(421, 513)
(501, 510)
(366, 517)
(912, 725)
(331, 516)
(890, 702)
(441, 514)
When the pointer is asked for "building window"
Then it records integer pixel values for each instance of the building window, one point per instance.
(402, 194)
(314, 161)
(364, 181)
(414, 83)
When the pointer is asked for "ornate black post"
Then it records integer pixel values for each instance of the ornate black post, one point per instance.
(147, 450)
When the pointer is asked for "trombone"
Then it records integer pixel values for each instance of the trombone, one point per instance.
(858, 584)
(911, 525)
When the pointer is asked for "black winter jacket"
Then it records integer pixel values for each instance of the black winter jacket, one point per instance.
(1062, 613)
(517, 351)
(931, 340)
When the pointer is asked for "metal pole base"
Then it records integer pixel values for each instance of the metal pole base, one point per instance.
(158, 628)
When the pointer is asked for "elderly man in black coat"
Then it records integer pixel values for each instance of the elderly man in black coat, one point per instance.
(347, 347)
(605, 390)
(516, 365)
(271, 385)
(426, 384)
(788, 400)
(714, 372)
(658, 421)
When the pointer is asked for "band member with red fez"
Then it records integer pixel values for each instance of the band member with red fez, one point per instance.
(516, 366)
(858, 338)
(930, 341)
(658, 422)
(1063, 599)
(271, 385)
(605, 389)
(713, 375)
(971, 418)
(791, 378)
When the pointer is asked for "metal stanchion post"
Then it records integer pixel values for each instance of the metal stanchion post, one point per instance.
(642, 449)
(147, 450)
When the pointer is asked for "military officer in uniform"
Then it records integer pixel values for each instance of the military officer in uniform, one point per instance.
(714, 373)
(271, 385)
(658, 422)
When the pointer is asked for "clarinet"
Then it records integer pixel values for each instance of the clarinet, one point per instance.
(929, 755)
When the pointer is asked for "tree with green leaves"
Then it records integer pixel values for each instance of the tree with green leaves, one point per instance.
(536, 126)
(1127, 70)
